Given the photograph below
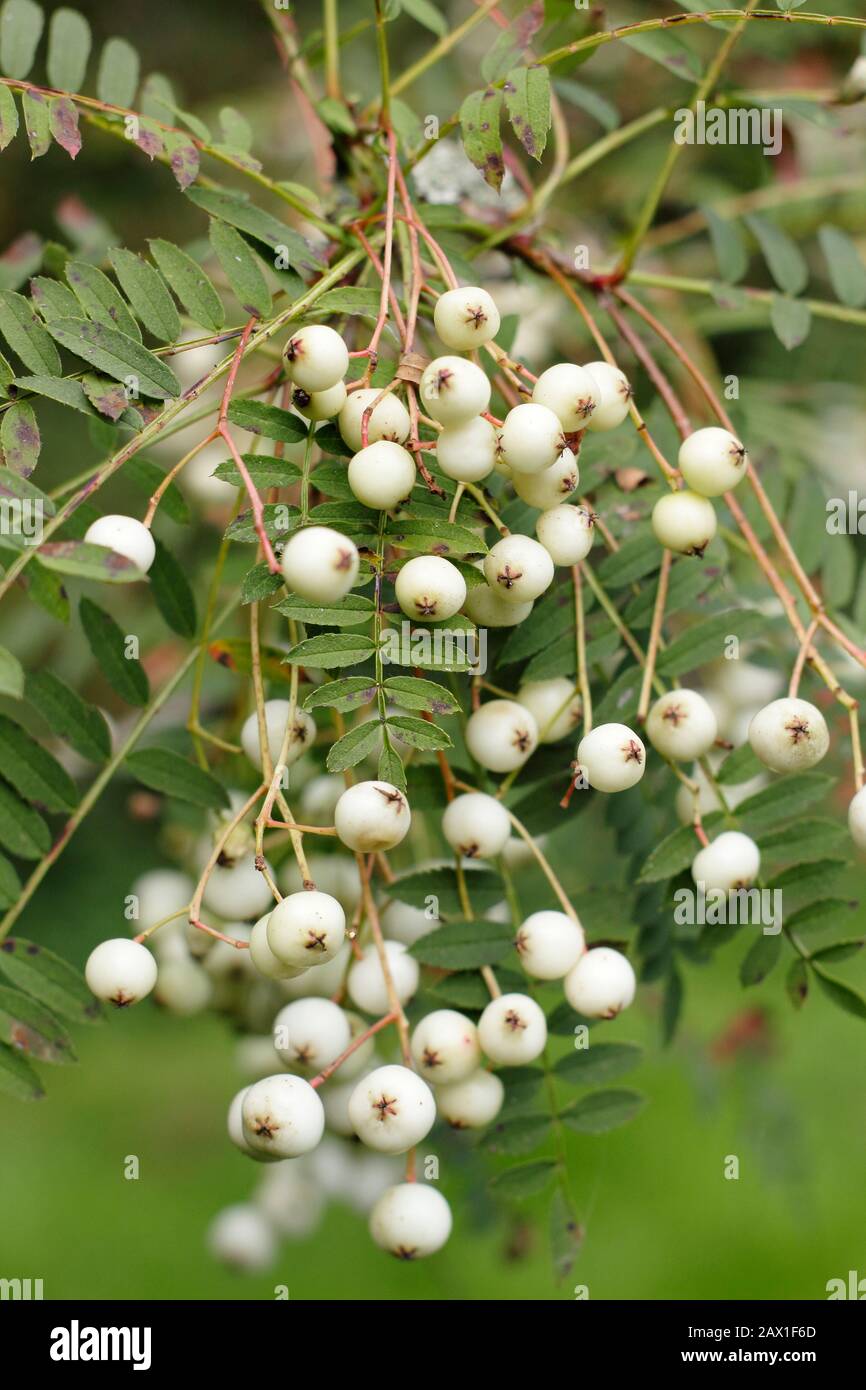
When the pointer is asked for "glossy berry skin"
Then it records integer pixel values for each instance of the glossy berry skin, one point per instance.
(319, 405)
(681, 725)
(445, 1046)
(473, 1102)
(555, 705)
(552, 487)
(489, 609)
(320, 564)
(125, 536)
(392, 1109)
(467, 452)
(372, 815)
(411, 1220)
(316, 357)
(453, 390)
(501, 735)
(263, 957)
(466, 318)
(512, 1030)
(382, 475)
(388, 420)
(235, 1127)
(518, 569)
(303, 732)
(731, 860)
(615, 396)
(712, 461)
(684, 522)
(309, 1034)
(531, 438)
(476, 825)
(306, 929)
(601, 984)
(571, 392)
(366, 979)
(120, 971)
(612, 757)
(549, 944)
(283, 1116)
(567, 533)
(789, 735)
(429, 588)
(857, 818)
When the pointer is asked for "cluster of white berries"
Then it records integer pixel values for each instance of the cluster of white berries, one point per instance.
(712, 461)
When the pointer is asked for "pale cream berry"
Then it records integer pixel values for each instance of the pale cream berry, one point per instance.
(402, 922)
(555, 705)
(316, 357)
(366, 982)
(320, 564)
(237, 893)
(392, 1109)
(241, 1238)
(388, 420)
(612, 757)
(319, 405)
(571, 392)
(732, 860)
(371, 816)
(712, 461)
(473, 1102)
(430, 588)
(549, 944)
(183, 987)
(789, 735)
(567, 533)
(476, 825)
(453, 390)
(410, 1221)
(445, 1046)
(531, 438)
(306, 928)
(615, 395)
(466, 318)
(282, 1115)
(489, 609)
(601, 984)
(467, 452)
(518, 569)
(263, 957)
(681, 725)
(277, 712)
(512, 1030)
(382, 475)
(857, 818)
(552, 487)
(309, 1034)
(120, 971)
(501, 735)
(125, 536)
(684, 522)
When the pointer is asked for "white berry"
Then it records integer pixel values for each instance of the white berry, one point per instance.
(555, 705)
(512, 1030)
(183, 987)
(566, 533)
(392, 1109)
(402, 922)
(454, 390)
(372, 815)
(366, 980)
(317, 357)
(382, 475)
(602, 983)
(476, 825)
(501, 735)
(429, 587)
(263, 957)
(712, 461)
(359, 1061)
(411, 1220)
(551, 487)
(125, 536)
(857, 818)
(684, 522)
(615, 395)
(306, 929)
(467, 452)
(681, 725)
(445, 1046)
(549, 944)
(240, 1237)
(309, 1034)
(571, 392)
(732, 860)
(466, 318)
(612, 757)
(388, 420)
(301, 736)
(320, 405)
(531, 438)
(282, 1115)
(518, 569)
(473, 1102)
(320, 564)
(237, 893)
(120, 971)
(789, 735)
(489, 609)
(235, 1122)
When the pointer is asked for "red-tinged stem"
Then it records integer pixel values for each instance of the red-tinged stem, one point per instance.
(224, 431)
(357, 1042)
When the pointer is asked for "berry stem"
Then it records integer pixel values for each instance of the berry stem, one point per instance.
(580, 637)
(328, 1071)
(655, 636)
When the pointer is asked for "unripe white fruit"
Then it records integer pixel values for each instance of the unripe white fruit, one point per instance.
(277, 712)
(454, 390)
(309, 1034)
(531, 438)
(512, 1030)
(125, 536)
(240, 1237)
(489, 609)
(411, 1220)
(120, 971)
(789, 735)
(235, 1122)
(684, 522)
(473, 1102)
(602, 983)
(615, 395)
(320, 405)
(320, 564)
(366, 980)
(372, 815)
(183, 987)
(320, 795)
(549, 944)
(290, 1197)
(681, 725)
(388, 420)
(306, 929)
(336, 874)
(429, 587)
(237, 893)
(554, 704)
(518, 569)
(476, 825)
(712, 461)
(567, 533)
(466, 318)
(857, 818)
(402, 922)
(571, 392)
(263, 957)
(282, 1115)
(335, 1096)
(467, 452)
(321, 982)
(445, 1046)
(392, 1109)
(382, 475)
(732, 860)
(317, 358)
(160, 892)
(501, 735)
(552, 487)
(612, 757)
